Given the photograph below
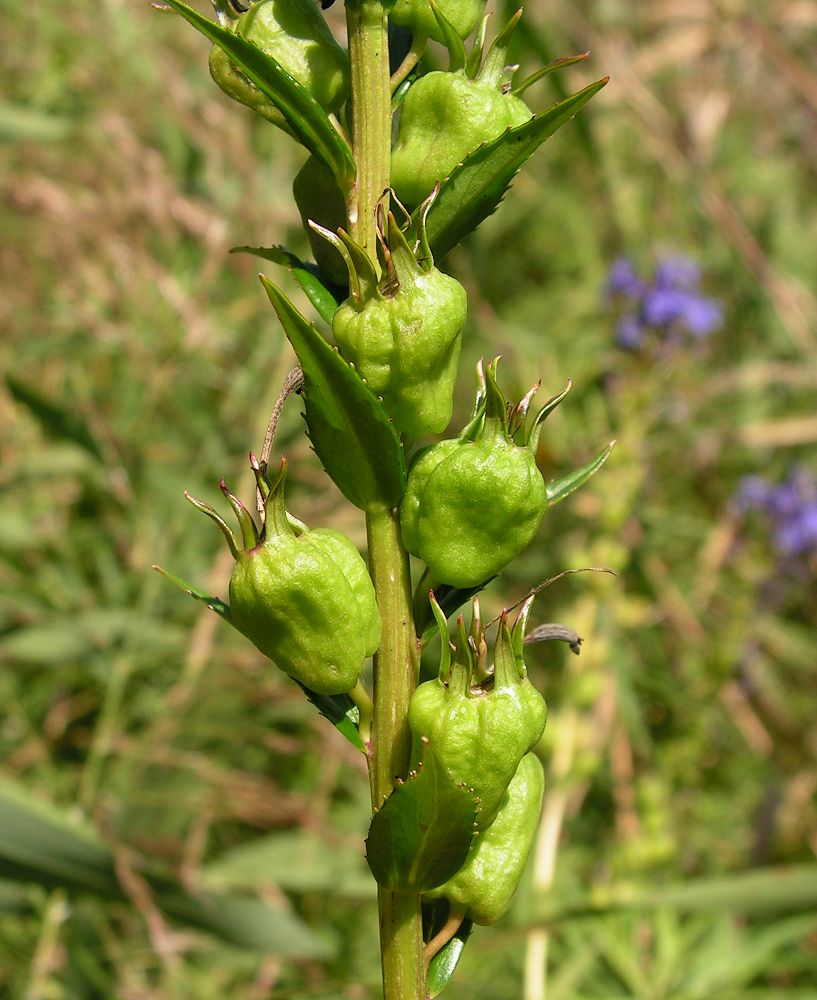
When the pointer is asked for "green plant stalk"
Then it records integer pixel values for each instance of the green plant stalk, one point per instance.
(396, 662)
(371, 116)
(395, 677)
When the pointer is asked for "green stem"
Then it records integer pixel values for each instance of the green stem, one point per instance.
(371, 116)
(395, 678)
(396, 662)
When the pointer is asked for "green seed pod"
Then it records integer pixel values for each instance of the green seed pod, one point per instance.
(303, 597)
(403, 334)
(480, 723)
(463, 15)
(296, 35)
(446, 116)
(472, 505)
(485, 885)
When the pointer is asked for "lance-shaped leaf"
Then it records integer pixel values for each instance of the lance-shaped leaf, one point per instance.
(477, 186)
(349, 429)
(305, 274)
(422, 833)
(561, 488)
(305, 116)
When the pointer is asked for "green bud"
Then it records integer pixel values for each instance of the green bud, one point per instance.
(481, 723)
(485, 885)
(472, 505)
(303, 597)
(296, 35)
(417, 15)
(403, 333)
(446, 116)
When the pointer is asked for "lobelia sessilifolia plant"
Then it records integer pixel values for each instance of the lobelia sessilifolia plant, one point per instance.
(456, 787)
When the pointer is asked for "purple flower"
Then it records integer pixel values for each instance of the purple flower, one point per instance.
(678, 273)
(701, 316)
(790, 506)
(669, 302)
(623, 280)
(630, 332)
(753, 493)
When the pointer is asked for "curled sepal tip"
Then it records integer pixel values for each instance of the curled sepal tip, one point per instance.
(363, 276)
(506, 668)
(518, 634)
(535, 431)
(445, 645)
(496, 406)
(214, 516)
(249, 532)
(493, 67)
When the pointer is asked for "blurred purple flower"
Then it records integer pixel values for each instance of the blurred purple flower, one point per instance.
(678, 273)
(753, 493)
(791, 507)
(630, 332)
(623, 280)
(671, 300)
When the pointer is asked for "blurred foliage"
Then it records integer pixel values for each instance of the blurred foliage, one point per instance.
(141, 359)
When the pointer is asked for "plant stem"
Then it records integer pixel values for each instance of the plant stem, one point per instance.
(395, 677)
(371, 116)
(396, 662)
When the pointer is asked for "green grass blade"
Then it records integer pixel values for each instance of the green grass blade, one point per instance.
(41, 845)
(762, 891)
(58, 422)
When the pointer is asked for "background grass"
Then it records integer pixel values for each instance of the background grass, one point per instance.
(141, 359)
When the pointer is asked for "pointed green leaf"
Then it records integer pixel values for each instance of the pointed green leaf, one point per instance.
(442, 965)
(349, 429)
(40, 844)
(561, 488)
(305, 274)
(477, 186)
(305, 116)
(341, 711)
(213, 603)
(422, 833)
